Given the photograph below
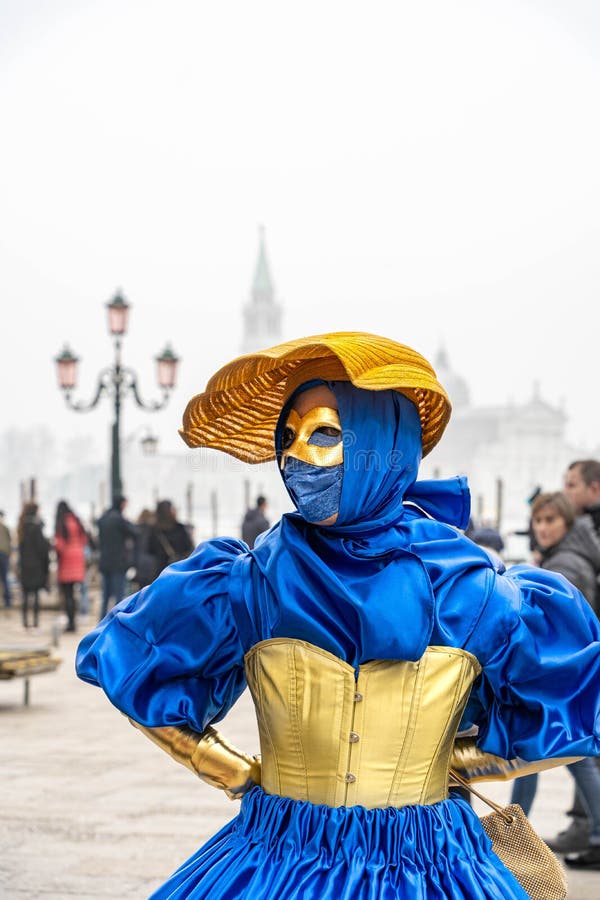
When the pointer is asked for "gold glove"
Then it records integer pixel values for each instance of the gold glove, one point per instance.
(209, 755)
(477, 765)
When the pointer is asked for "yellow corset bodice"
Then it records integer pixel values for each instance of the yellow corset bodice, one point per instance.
(383, 739)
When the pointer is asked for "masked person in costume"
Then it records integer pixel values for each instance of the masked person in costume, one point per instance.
(366, 626)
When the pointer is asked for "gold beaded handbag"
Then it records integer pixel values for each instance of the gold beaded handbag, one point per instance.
(520, 848)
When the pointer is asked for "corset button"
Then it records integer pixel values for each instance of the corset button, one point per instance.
(349, 778)
(353, 737)
(357, 697)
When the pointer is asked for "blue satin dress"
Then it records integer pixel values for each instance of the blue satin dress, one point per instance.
(384, 585)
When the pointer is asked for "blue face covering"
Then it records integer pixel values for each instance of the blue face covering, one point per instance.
(315, 490)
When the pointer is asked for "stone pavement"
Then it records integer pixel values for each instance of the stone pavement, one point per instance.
(92, 810)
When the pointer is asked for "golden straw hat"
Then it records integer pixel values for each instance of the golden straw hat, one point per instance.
(239, 409)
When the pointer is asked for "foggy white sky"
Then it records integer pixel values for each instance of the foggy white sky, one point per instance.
(428, 171)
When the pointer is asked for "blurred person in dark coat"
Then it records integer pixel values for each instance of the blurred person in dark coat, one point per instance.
(34, 561)
(145, 561)
(581, 484)
(169, 539)
(255, 522)
(582, 487)
(117, 540)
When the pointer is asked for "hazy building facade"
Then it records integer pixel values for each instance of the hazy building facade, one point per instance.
(505, 450)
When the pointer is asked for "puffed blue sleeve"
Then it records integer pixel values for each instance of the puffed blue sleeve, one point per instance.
(170, 654)
(538, 642)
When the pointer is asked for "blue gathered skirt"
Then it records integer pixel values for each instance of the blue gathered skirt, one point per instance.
(294, 850)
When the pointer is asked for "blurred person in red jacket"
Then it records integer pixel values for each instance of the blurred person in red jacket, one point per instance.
(70, 539)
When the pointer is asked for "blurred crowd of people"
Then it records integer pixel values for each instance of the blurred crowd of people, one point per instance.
(121, 555)
(118, 555)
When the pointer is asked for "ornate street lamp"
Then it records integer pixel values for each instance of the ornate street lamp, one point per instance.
(117, 380)
(66, 364)
(167, 368)
(118, 312)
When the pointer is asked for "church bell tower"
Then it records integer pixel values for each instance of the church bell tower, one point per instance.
(262, 314)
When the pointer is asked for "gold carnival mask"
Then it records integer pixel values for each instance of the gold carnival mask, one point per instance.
(299, 431)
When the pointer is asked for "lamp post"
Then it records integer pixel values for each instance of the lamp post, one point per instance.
(116, 380)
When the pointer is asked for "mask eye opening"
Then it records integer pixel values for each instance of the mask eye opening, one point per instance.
(328, 431)
(288, 437)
